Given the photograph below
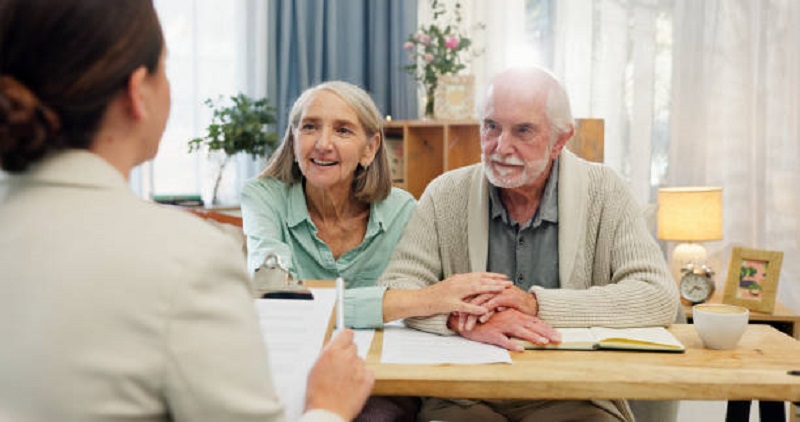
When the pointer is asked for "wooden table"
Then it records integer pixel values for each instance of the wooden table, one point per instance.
(782, 319)
(757, 369)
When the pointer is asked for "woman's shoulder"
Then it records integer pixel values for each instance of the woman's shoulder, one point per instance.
(399, 202)
(156, 226)
(265, 183)
(399, 196)
(268, 188)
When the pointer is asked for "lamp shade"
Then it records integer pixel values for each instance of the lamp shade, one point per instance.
(690, 214)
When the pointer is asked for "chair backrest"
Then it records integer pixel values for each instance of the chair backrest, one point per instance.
(229, 224)
(589, 140)
(217, 216)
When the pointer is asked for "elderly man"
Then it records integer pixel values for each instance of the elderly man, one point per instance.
(567, 232)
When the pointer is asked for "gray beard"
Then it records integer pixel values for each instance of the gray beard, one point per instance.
(529, 174)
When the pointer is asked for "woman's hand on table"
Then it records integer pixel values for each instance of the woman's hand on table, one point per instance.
(457, 293)
(453, 294)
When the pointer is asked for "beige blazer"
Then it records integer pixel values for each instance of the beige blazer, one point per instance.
(116, 309)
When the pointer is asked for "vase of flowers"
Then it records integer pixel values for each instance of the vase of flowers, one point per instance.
(439, 48)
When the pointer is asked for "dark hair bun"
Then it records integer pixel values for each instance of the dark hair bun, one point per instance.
(27, 128)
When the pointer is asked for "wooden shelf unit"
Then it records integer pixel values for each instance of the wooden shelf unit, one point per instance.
(432, 147)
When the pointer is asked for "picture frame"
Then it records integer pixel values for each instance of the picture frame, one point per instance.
(454, 97)
(753, 276)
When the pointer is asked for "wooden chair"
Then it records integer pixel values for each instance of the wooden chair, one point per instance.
(217, 216)
(229, 224)
(589, 139)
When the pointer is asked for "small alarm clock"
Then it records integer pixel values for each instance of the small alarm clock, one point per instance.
(697, 284)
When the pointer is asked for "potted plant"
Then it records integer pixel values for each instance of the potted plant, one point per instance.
(240, 125)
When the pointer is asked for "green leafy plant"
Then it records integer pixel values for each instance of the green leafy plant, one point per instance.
(238, 125)
(747, 272)
(438, 49)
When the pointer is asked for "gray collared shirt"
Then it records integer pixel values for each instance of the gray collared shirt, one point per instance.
(527, 253)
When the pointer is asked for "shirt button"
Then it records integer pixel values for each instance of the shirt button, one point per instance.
(521, 240)
(519, 278)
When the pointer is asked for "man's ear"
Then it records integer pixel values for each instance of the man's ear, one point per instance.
(561, 141)
(134, 93)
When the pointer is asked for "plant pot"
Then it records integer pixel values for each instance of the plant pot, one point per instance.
(219, 177)
(430, 100)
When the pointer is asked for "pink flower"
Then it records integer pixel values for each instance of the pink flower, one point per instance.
(452, 42)
(428, 58)
(425, 39)
(408, 45)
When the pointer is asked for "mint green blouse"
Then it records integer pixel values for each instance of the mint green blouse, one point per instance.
(276, 219)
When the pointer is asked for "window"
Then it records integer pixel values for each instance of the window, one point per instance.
(207, 52)
(615, 59)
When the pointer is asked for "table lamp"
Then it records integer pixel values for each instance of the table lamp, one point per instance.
(689, 215)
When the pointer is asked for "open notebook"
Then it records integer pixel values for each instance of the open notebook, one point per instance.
(654, 339)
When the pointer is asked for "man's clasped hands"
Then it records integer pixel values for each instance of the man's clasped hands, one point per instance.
(494, 311)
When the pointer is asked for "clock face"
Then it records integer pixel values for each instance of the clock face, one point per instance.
(695, 288)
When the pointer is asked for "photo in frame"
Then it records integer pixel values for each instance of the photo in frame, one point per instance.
(753, 276)
(454, 97)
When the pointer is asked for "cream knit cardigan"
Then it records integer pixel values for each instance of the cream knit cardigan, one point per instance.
(612, 273)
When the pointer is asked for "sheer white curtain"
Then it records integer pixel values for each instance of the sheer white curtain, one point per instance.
(736, 122)
(613, 57)
(214, 48)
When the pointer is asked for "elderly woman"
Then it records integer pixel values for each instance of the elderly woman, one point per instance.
(326, 207)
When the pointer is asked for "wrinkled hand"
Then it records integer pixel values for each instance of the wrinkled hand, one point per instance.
(513, 297)
(507, 324)
(339, 381)
(466, 321)
(454, 293)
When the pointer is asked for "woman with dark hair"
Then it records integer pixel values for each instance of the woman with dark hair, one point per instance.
(114, 308)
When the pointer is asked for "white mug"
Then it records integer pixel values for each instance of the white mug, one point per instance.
(720, 326)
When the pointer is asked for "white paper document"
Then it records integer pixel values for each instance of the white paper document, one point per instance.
(294, 331)
(403, 345)
(363, 340)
